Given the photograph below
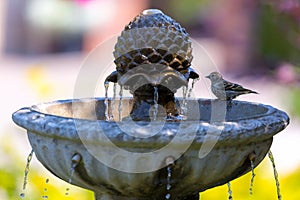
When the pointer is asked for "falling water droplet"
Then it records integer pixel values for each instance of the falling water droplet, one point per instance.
(120, 103)
(67, 191)
(155, 101)
(170, 163)
(45, 190)
(29, 158)
(106, 86)
(229, 191)
(252, 177)
(275, 174)
(168, 186)
(168, 196)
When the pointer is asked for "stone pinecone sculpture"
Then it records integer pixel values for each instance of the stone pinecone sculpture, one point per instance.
(153, 37)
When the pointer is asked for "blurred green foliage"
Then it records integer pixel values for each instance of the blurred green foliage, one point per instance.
(187, 11)
(294, 96)
(12, 168)
(277, 36)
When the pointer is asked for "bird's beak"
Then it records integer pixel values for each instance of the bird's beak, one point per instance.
(207, 76)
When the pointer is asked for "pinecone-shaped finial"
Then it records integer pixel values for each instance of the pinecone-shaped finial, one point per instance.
(153, 37)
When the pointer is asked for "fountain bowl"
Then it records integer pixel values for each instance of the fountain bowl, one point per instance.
(59, 130)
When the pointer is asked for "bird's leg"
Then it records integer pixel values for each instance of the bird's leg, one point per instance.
(229, 104)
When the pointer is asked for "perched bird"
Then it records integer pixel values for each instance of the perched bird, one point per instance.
(225, 90)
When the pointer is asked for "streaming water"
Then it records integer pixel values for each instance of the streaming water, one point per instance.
(192, 87)
(29, 158)
(120, 103)
(229, 191)
(275, 174)
(106, 86)
(113, 102)
(186, 93)
(72, 170)
(184, 102)
(155, 105)
(75, 161)
(252, 177)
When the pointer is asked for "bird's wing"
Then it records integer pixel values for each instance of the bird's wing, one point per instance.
(232, 86)
(229, 86)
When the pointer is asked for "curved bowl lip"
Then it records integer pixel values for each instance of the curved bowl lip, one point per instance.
(36, 107)
(249, 130)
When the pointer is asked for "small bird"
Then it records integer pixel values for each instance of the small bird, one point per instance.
(225, 90)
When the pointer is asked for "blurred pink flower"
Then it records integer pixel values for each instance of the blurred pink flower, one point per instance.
(82, 2)
(286, 73)
(290, 7)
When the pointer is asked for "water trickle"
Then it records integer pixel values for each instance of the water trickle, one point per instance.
(252, 157)
(113, 102)
(106, 86)
(75, 161)
(192, 87)
(155, 103)
(120, 103)
(184, 102)
(170, 163)
(29, 158)
(229, 191)
(275, 174)
(71, 175)
(252, 177)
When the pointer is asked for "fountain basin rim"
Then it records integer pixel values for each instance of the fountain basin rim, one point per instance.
(233, 133)
(38, 108)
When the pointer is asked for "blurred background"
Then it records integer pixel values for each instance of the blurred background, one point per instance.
(44, 43)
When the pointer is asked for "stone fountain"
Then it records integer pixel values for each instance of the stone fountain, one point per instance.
(153, 140)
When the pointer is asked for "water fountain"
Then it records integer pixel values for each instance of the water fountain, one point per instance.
(151, 146)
